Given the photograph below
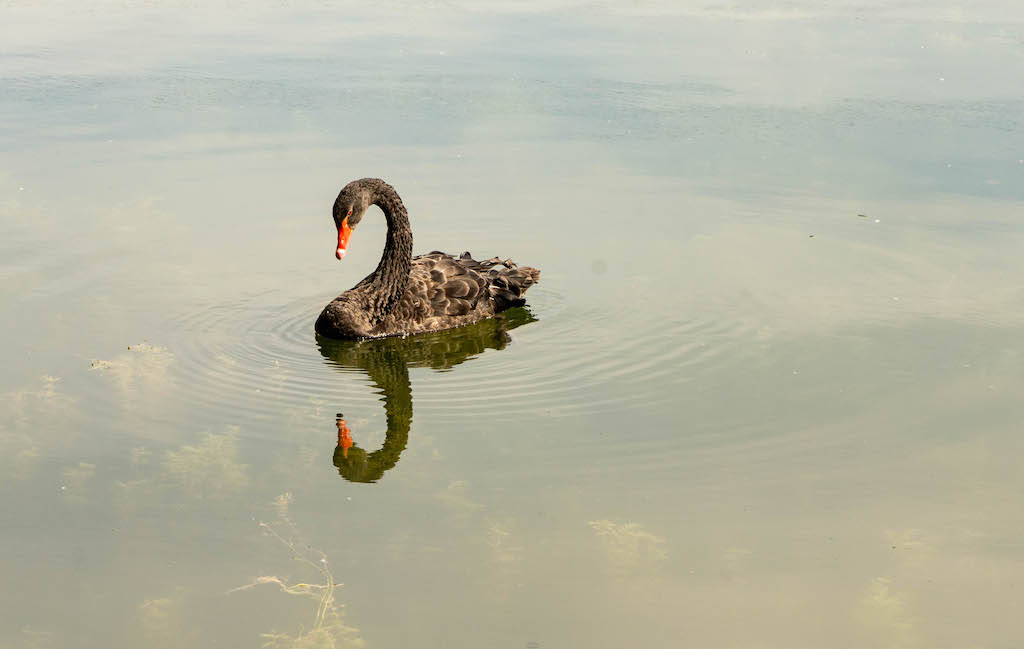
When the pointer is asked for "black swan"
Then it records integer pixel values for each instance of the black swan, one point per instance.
(409, 295)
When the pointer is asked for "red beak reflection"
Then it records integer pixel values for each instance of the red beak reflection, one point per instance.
(344, 435)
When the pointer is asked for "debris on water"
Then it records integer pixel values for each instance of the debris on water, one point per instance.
(878, 220)
(863, 216)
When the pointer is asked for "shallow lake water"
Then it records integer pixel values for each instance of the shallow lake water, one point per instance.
(767, 393)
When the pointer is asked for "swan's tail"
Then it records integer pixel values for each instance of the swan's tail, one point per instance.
(506, 282)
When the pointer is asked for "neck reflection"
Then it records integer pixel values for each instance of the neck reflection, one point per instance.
(386, 362)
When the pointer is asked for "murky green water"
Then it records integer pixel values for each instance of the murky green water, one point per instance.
(767, 393)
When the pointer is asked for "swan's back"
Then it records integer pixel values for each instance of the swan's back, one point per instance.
(446, 291)
(457, 285)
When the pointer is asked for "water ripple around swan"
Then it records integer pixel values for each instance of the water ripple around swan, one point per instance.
(261, 354)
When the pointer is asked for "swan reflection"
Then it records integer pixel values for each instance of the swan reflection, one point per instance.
(386, 362)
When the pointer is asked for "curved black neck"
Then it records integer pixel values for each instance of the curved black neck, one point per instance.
(389, 282)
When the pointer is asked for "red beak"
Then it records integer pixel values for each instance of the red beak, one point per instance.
(344, 232)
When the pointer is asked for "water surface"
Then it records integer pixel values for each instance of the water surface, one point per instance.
(765, 395)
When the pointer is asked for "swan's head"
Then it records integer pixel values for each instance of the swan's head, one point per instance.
(349, 208)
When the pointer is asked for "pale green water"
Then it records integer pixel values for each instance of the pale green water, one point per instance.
(767, 393)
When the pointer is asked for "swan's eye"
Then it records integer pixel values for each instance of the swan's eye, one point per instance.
(350, 213)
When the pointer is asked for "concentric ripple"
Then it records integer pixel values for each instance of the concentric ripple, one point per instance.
(259, 356)
(576, 360)
(258, 359)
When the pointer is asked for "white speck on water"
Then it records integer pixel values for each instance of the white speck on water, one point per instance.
(896, 298)
(21, 189)
(878, 220)
(942, 78)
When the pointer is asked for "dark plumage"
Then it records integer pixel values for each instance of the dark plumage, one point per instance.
(409, 295)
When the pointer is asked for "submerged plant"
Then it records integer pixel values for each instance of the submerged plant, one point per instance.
(29, 419)
(209, 468)
(629, 546)
(328, 630)
(140, 371)
(886, 616)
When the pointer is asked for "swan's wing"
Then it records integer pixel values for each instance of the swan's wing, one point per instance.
(451, 287)
(506, 282)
